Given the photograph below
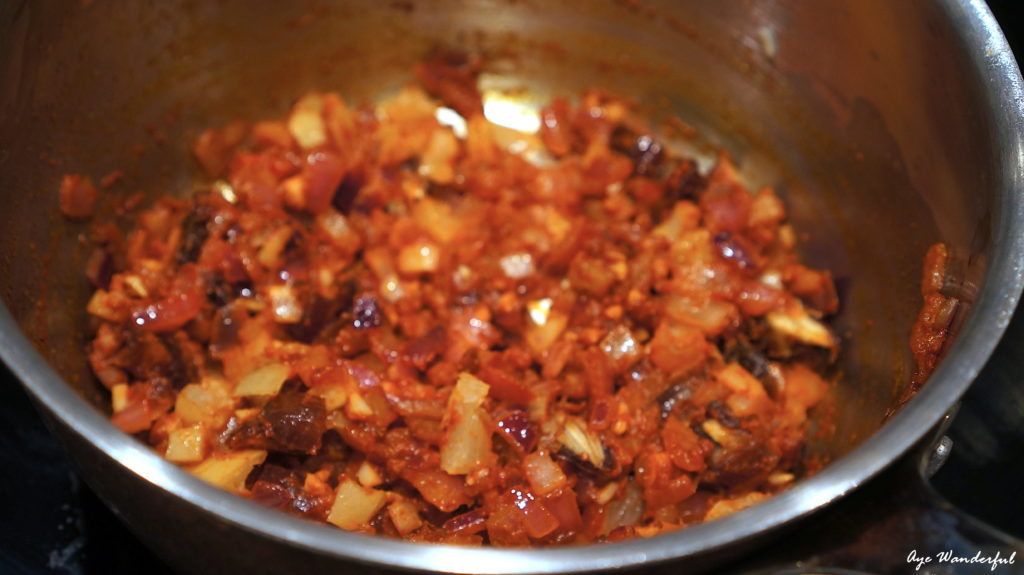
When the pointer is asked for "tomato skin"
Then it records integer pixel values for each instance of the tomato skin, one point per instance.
(176, 310)
(323, 172)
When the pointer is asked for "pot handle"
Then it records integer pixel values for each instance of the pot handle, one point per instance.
(898, 523)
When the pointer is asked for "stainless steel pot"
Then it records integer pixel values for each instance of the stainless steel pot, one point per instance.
(886, 125)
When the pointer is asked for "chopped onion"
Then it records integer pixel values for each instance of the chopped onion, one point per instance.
(772, 278)
(729, 506)
(446, 492)
(626, 511)
(766, 208)
(119, 397)
(741, 381)
(295, 192)
(404, 516)
(186, 445)
(229, 470)
(420, 257)
(134, 283)
(468, 442)
(336, 227)
(678, 348)
(545, 327)
(110, 306)
(368, 475)
(780, 478)
(436, 163)
(270, 252)
(722, 436)
(334, 396)
(544, 475)
(685, 216)
(411, 104)
(605, 494)
(285, 306)
(711, 317)
(621, 348)
(379, 260)
(357, 407)
(355, 505)
(266, 380)
(306, 124)
(517, 266)
(436, 218)
(203, 403)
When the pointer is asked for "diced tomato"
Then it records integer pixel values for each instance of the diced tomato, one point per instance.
(686, 450)
(175, 310)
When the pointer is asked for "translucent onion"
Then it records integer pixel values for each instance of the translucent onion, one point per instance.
(517, 266)
(229, 470)
(354, 505)
(186, 445)
(729, 506)
(468, 444)
(404, 516)
(544, 475)
(621, 348)
(266, 380)
(306, 124)
(625, 511)
(284, 304)
(419, 257)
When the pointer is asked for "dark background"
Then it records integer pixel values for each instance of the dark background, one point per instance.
(50, 522)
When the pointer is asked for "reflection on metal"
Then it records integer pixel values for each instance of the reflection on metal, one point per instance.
(939, 455)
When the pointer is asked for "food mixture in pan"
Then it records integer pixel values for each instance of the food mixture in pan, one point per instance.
(407, 320)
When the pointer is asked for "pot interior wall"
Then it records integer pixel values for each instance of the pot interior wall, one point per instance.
(838, 105)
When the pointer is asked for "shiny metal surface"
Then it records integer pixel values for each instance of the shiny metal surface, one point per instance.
(887, 126)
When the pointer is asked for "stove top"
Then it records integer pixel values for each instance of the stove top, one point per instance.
(52, 523)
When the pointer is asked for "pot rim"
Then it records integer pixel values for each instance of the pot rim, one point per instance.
(992, 59)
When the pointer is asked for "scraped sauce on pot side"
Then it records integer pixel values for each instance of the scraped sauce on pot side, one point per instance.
(412, 328)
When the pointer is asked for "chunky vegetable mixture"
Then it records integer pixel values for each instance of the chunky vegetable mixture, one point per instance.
(410, 321)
